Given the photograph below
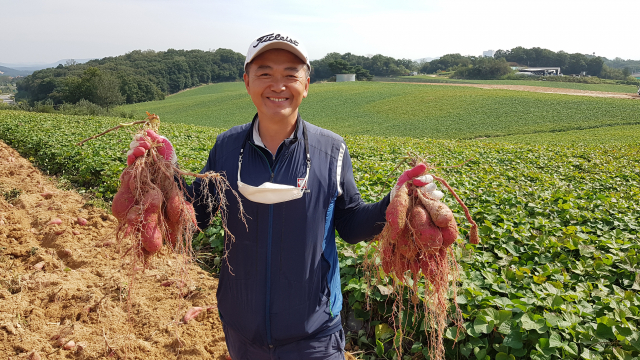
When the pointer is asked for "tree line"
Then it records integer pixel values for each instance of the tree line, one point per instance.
(148, 75)
(569, 63)
(365, 67)
(135, 77)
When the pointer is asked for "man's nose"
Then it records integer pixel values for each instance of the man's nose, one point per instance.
(278, 84)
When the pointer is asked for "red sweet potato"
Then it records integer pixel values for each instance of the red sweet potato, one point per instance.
(134, 216)
(401, 264)
(431, 264)
(151, 237)
(132, 180)
(174, 206)
(192, 313)
(405, 244)
(449, 233)
(122, 203)
(172, 232)
(125, 178)
(191, 212)
(427, 235)
(439, 212)
(396, 213)
(152, 201)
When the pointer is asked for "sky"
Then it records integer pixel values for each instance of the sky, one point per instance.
(39, 31)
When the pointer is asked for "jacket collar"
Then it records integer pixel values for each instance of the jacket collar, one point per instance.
(292, 139)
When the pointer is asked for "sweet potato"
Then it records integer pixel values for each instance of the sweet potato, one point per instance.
(122, 203)
(396, 213)
(134, 216)
(173, 233)
(427, 235)
(174, 206)
(191, 212)
(439, 212)
(132, 181)
(192, 313)
(125, 178)
(449, 233)
(406, 247)
(431, 265)
(152, 201)
(151, 237)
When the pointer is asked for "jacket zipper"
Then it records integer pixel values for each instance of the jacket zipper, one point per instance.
(268, 282)
(269, 238)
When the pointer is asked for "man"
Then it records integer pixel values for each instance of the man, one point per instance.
(279, 293)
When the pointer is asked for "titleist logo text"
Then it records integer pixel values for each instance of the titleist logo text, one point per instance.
(276, 37)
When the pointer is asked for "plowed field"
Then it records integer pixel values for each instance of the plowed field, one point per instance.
(68, 283)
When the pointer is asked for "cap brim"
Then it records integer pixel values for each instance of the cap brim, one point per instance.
(279, 45)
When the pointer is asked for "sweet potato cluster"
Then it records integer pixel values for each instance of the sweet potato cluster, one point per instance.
(150, 205)
(417, 241)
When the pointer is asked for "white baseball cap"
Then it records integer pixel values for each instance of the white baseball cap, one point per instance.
(276, 41)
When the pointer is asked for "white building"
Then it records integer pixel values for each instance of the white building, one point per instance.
(345, 77)
(541, 71)
(488, 53)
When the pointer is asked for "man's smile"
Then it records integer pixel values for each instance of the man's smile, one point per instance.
(277, 99)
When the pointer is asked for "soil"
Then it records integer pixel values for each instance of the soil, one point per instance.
(70, 282)
(543, 89)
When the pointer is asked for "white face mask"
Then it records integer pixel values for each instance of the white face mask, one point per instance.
(272, 193)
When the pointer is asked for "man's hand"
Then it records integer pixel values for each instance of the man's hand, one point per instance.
(142, 143)
(424, 182)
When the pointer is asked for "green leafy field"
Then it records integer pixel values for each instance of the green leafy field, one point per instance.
(627, 89)
(407, 110)
(624, 134)
(556, 272)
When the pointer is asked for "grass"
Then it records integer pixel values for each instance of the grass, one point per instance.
(626, 89)
(407, 110)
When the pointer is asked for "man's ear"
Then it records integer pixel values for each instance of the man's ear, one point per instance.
(245, 77)
(306, 88)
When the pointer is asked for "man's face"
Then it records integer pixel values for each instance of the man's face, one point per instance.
(277, 83)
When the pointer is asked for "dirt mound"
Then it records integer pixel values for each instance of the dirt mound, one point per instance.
(68, 281)
(543, 89)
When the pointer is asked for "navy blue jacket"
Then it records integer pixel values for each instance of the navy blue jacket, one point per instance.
(281, 280)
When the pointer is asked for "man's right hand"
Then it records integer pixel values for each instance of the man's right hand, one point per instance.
(142, 143)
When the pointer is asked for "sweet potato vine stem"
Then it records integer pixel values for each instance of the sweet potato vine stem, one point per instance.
(473, 234)
(112, 129)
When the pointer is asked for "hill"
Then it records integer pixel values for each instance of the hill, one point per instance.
(134, 77)
(5, 71)
(31, 67)
(395, 109)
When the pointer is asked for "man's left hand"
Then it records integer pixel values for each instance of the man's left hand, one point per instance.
(424, 182)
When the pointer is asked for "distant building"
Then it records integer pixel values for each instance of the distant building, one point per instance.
(636, 75)
(540, 71)
(488, 53)
(345, 77)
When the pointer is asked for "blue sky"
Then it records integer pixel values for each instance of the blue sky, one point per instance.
(39, 31)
